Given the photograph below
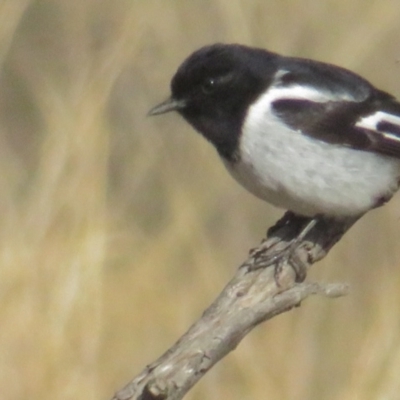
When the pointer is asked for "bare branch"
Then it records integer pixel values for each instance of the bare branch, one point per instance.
(255, 294)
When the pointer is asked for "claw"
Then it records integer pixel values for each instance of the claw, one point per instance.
(286, 256)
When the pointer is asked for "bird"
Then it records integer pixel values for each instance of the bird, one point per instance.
(303, 135)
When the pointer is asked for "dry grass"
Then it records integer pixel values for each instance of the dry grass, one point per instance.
(115, 232)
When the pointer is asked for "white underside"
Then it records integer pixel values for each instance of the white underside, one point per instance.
(293, 171)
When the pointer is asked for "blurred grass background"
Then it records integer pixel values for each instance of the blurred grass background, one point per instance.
(117, 230)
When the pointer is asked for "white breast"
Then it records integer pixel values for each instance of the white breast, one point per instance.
(293, 171)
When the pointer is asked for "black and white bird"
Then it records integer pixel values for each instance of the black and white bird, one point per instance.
(306, 136)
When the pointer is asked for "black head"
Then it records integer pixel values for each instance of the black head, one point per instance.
(214, 87)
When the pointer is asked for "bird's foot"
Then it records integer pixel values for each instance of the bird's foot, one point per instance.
(279, 259)
(288, 255)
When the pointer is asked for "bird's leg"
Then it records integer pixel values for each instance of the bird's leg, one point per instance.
(282, 256)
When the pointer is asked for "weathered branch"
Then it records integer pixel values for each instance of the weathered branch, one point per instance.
(255, 294)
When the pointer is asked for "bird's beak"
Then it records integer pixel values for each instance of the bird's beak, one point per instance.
(167, 106)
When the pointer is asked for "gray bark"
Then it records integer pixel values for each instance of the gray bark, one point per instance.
(264, 286)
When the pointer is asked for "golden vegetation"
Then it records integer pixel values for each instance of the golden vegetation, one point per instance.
(117, 230)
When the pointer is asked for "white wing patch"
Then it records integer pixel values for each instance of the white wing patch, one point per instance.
(391, 136)
(372, 121)
(305, 92)
(297, 92)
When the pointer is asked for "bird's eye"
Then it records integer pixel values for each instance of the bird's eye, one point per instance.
(209, 85)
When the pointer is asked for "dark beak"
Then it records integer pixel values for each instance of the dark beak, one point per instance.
(167, 106)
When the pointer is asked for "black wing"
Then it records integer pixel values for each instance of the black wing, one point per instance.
(370, 125)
